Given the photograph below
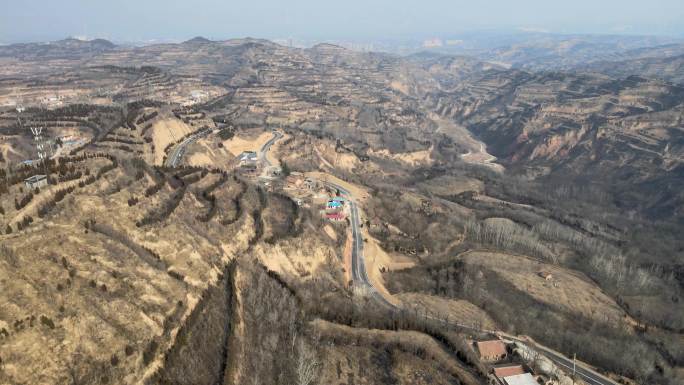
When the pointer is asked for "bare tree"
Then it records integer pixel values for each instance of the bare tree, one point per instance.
(536, 361)
(307, 365)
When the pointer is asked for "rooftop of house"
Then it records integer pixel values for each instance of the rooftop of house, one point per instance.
(491, 348)
(520, 379)
(248, 155)
(335, 215)
(35, 178)
(506, 371)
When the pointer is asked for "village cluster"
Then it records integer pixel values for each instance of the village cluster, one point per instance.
(305, 191)
(310, 192)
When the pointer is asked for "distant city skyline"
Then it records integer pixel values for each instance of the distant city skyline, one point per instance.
(157, 20)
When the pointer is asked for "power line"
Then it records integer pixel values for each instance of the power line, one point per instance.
(41, 147)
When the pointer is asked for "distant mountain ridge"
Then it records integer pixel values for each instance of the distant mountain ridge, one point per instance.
(669, 68)
(94, 43)
(198, 40)
(65, 48)
(544, 51)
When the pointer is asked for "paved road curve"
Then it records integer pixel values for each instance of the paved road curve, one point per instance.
(177, 153)
(267, 147)
(359, 274)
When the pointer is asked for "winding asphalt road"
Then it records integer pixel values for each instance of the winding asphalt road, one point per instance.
(359, 273)
(177, 153)
(267, 146)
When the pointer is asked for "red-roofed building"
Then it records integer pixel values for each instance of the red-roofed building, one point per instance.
(491, 351)
(339, 216)
(511, 370)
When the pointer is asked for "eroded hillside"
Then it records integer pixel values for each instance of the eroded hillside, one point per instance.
(191, 229)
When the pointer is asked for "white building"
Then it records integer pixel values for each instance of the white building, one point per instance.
(248, 157)
(36, 181)
(520, 379)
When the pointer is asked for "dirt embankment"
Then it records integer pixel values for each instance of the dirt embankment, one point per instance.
(212, 152)
(360, 193)
(165, 132)
(455, 310)
(412, 159)
(238, 144)
(407, 341)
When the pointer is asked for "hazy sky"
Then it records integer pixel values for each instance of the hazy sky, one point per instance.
(138, 20)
